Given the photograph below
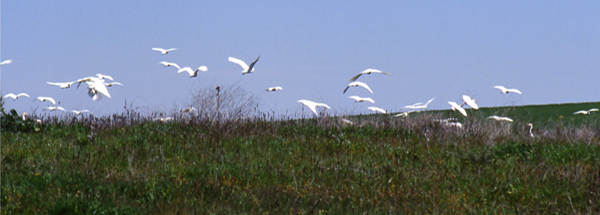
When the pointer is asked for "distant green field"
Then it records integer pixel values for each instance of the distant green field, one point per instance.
(127, 164)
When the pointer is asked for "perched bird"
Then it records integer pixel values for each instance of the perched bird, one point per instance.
(188, 110)
(247, 69)
(347, 121)
(530, 129)
(471, 102)
(500, 118)
(503, 90)
(368, 72)
(169, 64)
(362, 99)
(42, 99)
(164, 119)
(113, 83)
(277, 88)
(62, 85)
(101, 76)
(163, 51)
(585, 112)
(78, 112)
(356, 84)
(96, 88)
(192, 72)
(313, 105)
(458, 108)
(376, 109)
(15, 97)
(454, 124)
(445, 120)
(5, 62)
(53, 108)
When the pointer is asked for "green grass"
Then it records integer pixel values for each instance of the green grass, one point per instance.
(386, 166)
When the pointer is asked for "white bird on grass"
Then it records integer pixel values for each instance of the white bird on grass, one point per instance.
(500, 118)
(78, 112)
(368, 72)
(113, 83)
(356, 84)
(247, 69)
(43, 99)
(530, 129)
(347, 121)
(503, 90)
(454, 124)
(458, 108)
(62, 85)
(362, 99)
(15, 97)
(585, 112)
(192, 72)
(277, 88)
(5, 62)
(163, 51)
(96, 88)
(53, 108)
(165, 63)
(377, 109)
(313, 105)
(471, 102)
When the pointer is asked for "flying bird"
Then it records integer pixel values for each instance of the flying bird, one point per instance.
(53, 108)
(43, 99)
(500, 118)
(313, 105)
(585, 112)
(15, 97)
(247, 69)
(96, 88)
(163, 51)
(356, 84)
(193, 73)
(362, 99)
(376, 109)
(78, 112)
(419, 105)
(458, 108)
(277, 88)
(5, 62)
(368, 72)
(188, 110)
(101, 76)
(405, 113)
(471, 102)
(503, 90)
(62, 85)
(165, 63)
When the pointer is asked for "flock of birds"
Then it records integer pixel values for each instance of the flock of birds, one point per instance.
(97, 88)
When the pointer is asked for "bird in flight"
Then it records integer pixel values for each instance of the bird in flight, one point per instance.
(313, 105)
(165, 63)
(458, 108)
(192, 72)
(500, 118)
(78, 112)
(62, 85)
(277, 88)
(368, 72)
(471, 102)
(377, 109)
(5, 62)
(503, 90)
(53, 108)
(15, 97)
(163, 51)
(585, 112)
(362, 99)
(42, 99)
(247, 69)
(356, 84)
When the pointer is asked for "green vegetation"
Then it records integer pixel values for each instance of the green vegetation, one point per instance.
(127, 164)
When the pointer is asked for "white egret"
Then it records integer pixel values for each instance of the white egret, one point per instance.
(530, 129)
(405, 113)
(164, 119)
(192, 72)
(15, 97)
(377, 109)
(165, 63)
(53, 108)
(62, 85)
(470, 102)
(454, 124)
(277, 88)
(419, 105)
(458, 108)
(163, 51)
(43, 99)
(585, 112)
(188, 110)
(503, 90)
(362, 99)
(96, 88)
(500, 118)
(101, 76)
(78, 112)
(5, 62)
(113, 83)
(313, 105)
(347, 121)
(247, 69)
(356, 84)
(368, 72)
(445, 120)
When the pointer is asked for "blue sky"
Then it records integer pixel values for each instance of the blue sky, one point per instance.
(444, 49)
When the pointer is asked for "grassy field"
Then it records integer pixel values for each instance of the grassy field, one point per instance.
(127, 164)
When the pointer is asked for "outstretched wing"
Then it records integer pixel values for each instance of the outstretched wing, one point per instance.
(240, 62)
